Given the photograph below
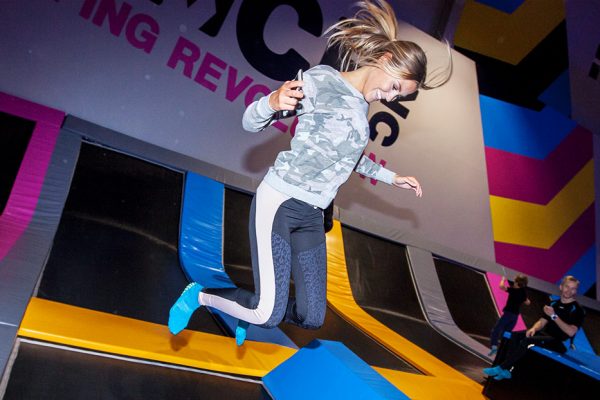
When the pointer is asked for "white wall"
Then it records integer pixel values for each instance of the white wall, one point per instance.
(118, 76)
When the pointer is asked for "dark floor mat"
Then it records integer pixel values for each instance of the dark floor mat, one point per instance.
(43, 372)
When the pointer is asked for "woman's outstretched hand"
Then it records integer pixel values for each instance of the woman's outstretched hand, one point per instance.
(287, 96)
(408, 182)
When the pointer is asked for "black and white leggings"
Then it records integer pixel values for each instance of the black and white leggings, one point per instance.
(286, 237)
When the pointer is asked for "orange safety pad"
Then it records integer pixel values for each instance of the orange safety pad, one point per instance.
(339, 296)
(423, 387)
(79, 327)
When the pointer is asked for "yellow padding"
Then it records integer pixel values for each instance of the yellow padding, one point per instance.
(423, 387)
(535, 225)
(93, 330)
(507, 37)
(74, 326)
(339, 296)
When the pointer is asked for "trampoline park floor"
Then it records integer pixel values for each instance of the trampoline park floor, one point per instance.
(115, 253)
(114, 270)
(43, 370)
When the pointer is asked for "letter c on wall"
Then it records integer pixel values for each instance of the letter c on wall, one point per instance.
(251, 21)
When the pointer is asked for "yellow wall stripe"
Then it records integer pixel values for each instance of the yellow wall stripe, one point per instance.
(507, 37)
(535, 225)
(339, 296)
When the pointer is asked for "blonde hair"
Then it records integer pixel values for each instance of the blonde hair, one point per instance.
(371, 34)
(569, 278)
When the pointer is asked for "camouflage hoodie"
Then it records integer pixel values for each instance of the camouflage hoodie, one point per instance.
(331, 135)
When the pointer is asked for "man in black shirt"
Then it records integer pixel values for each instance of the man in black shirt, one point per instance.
(561, 321)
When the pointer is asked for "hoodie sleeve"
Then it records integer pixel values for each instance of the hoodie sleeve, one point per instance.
(371, 169)
(258, 115)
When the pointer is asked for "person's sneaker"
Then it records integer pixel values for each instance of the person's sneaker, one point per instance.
(184, 307)
(240, 332)
(493, 351)
(503, 374)
(492, 371)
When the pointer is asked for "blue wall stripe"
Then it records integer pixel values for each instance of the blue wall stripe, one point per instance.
(558, 95)
(522, 131)
(584, 270)
(508, 6)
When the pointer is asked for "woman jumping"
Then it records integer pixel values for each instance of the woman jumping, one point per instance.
(286, 217)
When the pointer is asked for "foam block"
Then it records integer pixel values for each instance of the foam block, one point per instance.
(328, 370)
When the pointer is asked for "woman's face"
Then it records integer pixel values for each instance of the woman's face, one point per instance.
(382, 86)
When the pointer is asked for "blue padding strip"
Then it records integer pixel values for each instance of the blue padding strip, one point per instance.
(201, 242)
(558, 95)
(508, 6)
(582, 343)
(576, 360)
(201, 249)
(328, 370)
(520, 130)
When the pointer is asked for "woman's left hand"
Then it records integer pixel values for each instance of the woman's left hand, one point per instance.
(408, 182)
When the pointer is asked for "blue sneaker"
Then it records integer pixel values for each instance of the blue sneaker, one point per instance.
(493, 371)
(493, 350)
(240, 332)
(503, 374)
(184, 307)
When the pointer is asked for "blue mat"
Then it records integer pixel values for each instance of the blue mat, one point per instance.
(201, 248)
(328, 370)
(582, 361)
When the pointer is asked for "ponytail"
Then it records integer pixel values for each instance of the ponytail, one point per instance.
(363, 39)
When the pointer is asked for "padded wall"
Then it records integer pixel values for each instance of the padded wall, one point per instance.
(539, 160)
